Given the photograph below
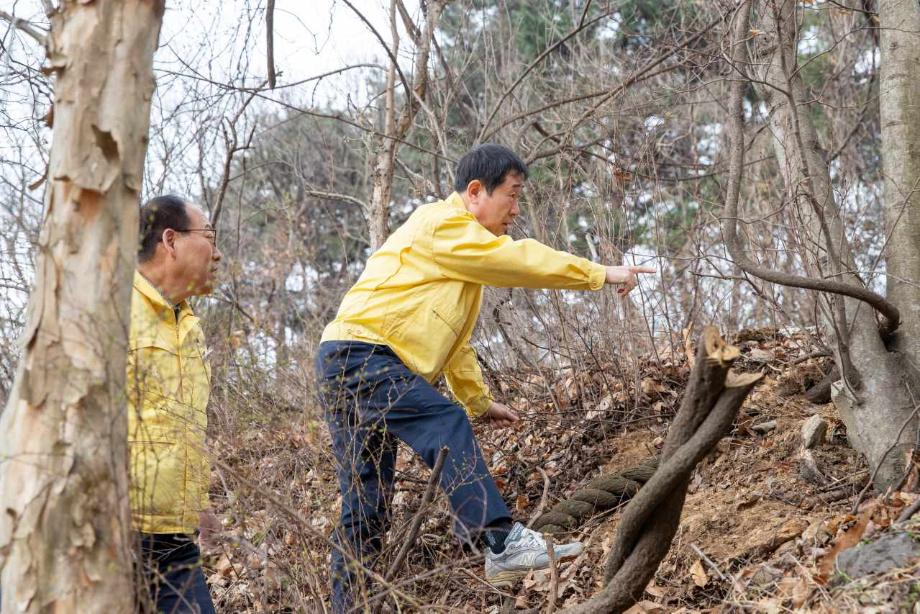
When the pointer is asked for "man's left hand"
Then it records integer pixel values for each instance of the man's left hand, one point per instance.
(500, 415)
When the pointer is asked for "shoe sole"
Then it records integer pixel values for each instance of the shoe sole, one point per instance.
(507, 579)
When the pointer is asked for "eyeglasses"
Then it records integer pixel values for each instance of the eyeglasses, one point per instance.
(209, 233)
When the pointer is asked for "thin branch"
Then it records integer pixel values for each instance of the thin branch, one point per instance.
(261, 87)
(544, 498)
(410, 26)
(554, 575)
(25, 27)
(383, 43)
(430, 491)
(270, 41)
(296, 518)
(233, 148)
(581, 26)
(638, 75)
(417, 519)
(345, 198)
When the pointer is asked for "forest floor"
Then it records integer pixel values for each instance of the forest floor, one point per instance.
(767, 526)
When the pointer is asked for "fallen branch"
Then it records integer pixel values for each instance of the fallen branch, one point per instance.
(554, 575)
(543, 499)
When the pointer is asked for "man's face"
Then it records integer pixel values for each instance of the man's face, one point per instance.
(196, 254)
(496, 211)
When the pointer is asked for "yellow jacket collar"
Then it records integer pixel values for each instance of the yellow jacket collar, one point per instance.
(155, 296)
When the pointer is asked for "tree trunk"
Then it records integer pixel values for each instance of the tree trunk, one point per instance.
(899, 107)
(385, 156)
(65, 527)
(874, 403)
(394, 132)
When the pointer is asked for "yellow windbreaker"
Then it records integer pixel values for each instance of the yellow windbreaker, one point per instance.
(420, 293)
(168, 384)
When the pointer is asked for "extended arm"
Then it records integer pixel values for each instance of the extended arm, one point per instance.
(468, 252)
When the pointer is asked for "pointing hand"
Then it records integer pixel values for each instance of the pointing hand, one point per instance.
(626, 276)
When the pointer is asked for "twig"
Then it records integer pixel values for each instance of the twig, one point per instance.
(233, 147)
(416, 524)
(486, 585)
(304, 524)
(708, 561)
(553, 575)
(581, 26)
(543, 498)
(572, 569)
(818, 354)
(386, 48)
(430, 491)
(909, 511)
(25, 27)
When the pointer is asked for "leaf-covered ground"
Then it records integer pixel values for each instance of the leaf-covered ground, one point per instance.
(762, 530)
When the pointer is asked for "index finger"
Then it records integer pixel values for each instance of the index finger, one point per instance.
(643, 269)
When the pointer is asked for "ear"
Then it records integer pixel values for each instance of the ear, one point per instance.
(474, 189)
(169, 241)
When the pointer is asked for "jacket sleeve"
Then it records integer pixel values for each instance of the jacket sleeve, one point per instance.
(465, 250)
(464, 378)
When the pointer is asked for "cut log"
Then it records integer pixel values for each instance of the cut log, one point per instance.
(648, 524)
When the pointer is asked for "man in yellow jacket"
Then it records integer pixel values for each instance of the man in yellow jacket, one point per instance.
(407, 321)
(168, 383)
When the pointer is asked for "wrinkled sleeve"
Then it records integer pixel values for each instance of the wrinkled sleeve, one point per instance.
(465, 250)
(466, 384)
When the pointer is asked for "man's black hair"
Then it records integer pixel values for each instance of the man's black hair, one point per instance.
(489, 163)
(158, 214)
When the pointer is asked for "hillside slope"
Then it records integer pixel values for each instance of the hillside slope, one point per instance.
(768, 525)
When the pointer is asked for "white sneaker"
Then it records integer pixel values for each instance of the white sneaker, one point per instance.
(524, 550)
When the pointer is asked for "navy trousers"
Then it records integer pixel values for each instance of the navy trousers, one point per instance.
(371, 401)
(172, 570)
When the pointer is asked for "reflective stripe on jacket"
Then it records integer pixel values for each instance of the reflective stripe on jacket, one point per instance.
(168, 383)
(420, 293)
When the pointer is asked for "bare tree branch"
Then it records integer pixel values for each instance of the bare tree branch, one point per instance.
(580, 27)
(270, 41)
(345, 198)
(25, 27)
(730, 218)
(383, 44)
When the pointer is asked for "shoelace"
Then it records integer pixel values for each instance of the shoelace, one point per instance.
(531, 538)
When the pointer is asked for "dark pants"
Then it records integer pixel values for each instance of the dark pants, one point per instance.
(372, 400)
(171, 566)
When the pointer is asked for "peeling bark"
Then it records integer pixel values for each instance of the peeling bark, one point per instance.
(65, 527)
